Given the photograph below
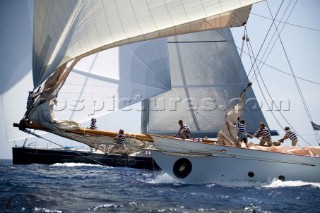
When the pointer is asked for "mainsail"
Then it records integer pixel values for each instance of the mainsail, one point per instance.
(67, 31)
(207, 78)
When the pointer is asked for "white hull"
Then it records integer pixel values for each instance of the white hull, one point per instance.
(207, 163)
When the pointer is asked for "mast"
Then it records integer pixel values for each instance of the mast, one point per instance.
(145, 104)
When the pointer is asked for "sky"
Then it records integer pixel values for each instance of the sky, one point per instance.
(298, 44)
(296, 52)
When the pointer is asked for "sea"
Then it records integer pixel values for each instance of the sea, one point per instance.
(75, 187)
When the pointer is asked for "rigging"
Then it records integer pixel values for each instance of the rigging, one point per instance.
(296, 82)
(257, 73)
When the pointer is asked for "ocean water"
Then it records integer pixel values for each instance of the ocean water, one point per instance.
(93, 188)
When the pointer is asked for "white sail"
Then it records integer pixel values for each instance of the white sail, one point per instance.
(64, 30)
(68, 31)
(207, 78)
(114, 79)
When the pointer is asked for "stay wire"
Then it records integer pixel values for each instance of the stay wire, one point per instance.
(272, 35)
(295, 25)
(265, 54)
(256, 73)
(263, 62)
(271, 99)
(256, 76)
(295, 80)
(281, 71)
(261, 90)
(265, 38)
(260, 61)
(244, 38)
(276, 108)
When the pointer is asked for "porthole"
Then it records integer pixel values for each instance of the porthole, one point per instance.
(182, 168)
(250, 174)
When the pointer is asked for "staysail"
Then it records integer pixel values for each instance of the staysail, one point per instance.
(67, 31)
(114, 79)
(101, 84)
(207, 78)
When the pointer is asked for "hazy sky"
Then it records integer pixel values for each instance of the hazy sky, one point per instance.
(300, 40)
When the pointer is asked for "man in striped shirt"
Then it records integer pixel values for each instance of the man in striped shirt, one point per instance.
(93, 123)
(120, 140)
(184, 130)
(291, 135)
(242, 134)
(265, 135)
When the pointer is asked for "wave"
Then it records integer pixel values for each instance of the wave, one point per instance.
(162, 178)
(77, 165)
(278, 184)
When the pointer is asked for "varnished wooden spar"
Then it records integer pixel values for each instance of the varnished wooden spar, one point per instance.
(85, 131)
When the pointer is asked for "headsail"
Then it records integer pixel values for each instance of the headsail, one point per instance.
(98, 85)
(114, 79)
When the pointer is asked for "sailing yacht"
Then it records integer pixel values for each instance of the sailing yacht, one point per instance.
(218, 160)
(66, 32)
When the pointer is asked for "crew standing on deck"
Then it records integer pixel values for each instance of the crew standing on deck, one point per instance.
(242, 134)
(93, 123)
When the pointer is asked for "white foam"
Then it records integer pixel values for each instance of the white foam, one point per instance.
(36, 209)
(163, 178)
(105, 206)
(76, 164)
(278, 183)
